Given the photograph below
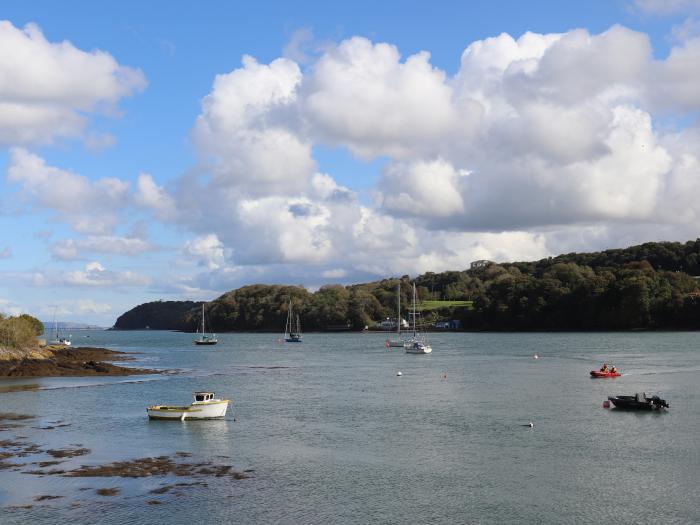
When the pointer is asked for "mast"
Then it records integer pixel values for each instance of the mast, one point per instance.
(288, 324)
(398, 308)
(414, 310)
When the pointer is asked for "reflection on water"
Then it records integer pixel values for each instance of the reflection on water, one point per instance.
(334, 435)
(16, 387)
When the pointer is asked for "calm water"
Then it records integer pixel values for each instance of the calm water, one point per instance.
(335, 436)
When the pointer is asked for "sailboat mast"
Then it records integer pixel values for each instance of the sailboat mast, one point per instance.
(398, 308)
(414, 310)
(288, 324)
(202, 318)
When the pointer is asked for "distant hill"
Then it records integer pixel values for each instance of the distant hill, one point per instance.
(67, 325)
(158, 315)
(650, 286)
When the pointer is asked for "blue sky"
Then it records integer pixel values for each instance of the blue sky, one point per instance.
(341, 153)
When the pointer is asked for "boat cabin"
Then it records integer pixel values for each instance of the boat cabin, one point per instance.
(203, 397)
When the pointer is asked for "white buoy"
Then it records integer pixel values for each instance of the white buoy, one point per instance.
(535, 356)
(399, 374)
(531, 424)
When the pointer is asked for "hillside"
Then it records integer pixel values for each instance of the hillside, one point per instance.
(650, 286)
(158, 315)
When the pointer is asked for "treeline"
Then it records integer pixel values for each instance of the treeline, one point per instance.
(651, 286)
(19, 332)
(158, 315)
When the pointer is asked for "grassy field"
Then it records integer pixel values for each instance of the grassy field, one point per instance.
(426, 306)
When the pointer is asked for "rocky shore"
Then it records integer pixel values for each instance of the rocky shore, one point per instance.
(61, 361)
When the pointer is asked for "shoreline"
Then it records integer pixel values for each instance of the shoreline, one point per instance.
(71, 362)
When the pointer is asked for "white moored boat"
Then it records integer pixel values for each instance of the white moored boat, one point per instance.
(398, 342)
(417, 343)
(204, 406)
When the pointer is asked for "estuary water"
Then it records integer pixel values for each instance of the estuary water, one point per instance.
(332, 434)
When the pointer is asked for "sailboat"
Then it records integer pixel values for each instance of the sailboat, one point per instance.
(205, 339)
(398, 342)
(292, 330)
(417, 344)
(57, 340)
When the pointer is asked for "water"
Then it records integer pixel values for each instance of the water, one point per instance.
(335, 436)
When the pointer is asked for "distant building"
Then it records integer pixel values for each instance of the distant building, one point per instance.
(483, 263)
(390, 324)
(454, 324)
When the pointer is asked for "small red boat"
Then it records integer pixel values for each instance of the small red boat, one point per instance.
(598, 373)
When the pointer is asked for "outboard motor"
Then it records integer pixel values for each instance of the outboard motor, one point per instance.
(656, 400)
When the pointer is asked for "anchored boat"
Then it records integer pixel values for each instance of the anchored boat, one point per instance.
(292, 331)
(417, 344)
(638, 402)
(205, 339)
(204, 406)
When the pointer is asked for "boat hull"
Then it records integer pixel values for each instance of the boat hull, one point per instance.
(205, 342)
(417, 348)
(598, 373)
(632, 403)
(209, 410)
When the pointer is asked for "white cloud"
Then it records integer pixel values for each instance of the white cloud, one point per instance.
(95, 274)
(361, 96)
(667, 7)
(88, 206)
(207, 250)
(88, 306)
(421, 188)
(335, 273)
(70, 249)
(537, 144)
(245, 133)
(153, 197)
(47, 89)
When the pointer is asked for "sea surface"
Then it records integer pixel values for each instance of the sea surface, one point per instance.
(333, 435)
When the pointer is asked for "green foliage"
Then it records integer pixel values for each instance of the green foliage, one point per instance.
(19, 332)
(158, 315)
(650, 286)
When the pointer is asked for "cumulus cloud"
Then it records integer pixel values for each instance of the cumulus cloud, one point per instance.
(94, 274)
(667, 7)
(423, 188)
(88, 206)
(532, 137)
(88, 306)
(70, 249)
(537, 144)
(153, 197)
(246, 135)
(362, 96)
(47, 89)
(207, 250)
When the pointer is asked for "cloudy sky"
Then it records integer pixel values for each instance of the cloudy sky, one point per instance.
(165, 150)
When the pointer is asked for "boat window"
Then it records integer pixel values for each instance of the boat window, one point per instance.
(199, 398)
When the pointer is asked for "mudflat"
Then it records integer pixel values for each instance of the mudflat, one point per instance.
(80, 361)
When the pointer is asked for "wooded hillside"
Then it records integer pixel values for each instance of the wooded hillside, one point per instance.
(651, 286)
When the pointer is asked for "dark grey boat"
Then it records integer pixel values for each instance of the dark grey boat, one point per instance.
(638, 402)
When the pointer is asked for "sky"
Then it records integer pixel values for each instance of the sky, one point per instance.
(178, 150)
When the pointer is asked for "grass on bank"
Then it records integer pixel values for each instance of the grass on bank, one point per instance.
(426, 306)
